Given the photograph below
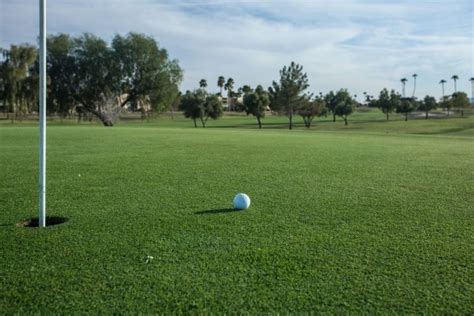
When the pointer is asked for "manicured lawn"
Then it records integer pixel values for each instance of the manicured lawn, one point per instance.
(375, 217)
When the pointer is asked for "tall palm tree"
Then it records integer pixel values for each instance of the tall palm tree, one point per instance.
(442, 82)
(472, 93)
(229, 87)
(229, 84)
(246, 89)
(221, 82)
(455, 77)
(414, 84)
(404, 81)
(202, 83)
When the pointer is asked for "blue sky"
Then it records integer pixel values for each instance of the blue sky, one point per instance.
(362, 45)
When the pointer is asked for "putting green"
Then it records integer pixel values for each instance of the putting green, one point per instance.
(341, 221)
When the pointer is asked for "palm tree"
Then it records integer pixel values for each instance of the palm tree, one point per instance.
(246, 89)
(404, 81)
(455, 77)
(202, 83)
(229, 84)
(414, 84)
(221, 82)
(442, 82)
(229, 87)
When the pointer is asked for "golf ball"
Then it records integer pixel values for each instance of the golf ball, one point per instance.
(241, 201)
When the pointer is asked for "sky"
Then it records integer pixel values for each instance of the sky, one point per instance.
(361, 45)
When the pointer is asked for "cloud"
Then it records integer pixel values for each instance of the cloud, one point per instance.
(363, 45)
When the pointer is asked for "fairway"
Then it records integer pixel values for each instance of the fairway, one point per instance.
(341, 221)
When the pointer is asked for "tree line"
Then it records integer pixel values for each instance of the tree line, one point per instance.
(288, 96)
(89, 75)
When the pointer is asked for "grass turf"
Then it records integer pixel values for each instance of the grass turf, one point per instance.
(372, 220)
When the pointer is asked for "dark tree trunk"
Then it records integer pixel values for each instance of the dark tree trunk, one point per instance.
(259, 122)
(406, 116)
(462, 113)
(203, 122)
(333, 117)
(105, 119)
(195, 124)
(345, 120)
(387, 116)
(291, 121)
(426, 115)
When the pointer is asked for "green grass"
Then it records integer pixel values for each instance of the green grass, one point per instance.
(371, 121)
(373, 217)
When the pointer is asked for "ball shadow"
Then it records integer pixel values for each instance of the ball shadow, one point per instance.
(217, 211)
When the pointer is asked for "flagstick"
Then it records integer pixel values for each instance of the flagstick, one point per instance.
(42, 116)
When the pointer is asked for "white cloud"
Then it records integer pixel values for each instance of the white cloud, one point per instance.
(363, 45)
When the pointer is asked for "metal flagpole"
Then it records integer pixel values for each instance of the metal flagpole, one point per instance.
(42, 117)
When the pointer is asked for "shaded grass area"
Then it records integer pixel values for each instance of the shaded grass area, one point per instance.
(339, 222)
(362, 121)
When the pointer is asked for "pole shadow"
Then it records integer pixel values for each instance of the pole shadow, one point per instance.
(50, 221)
(216, 211)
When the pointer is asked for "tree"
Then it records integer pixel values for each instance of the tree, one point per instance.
(229, 87)
(429, 103)
(167, 94)
(203, 83)
(312, 108)
(212, 108)
(403, 81)
(256, 103)
(220, 83)
(442, 82)
(15, 70)
(200, 105)
(331, 103)
(102, 79)
(455, 77)
(96, 82)
(414, 84)
(345, 104)
(460, 101)
(191, 103)
(246, 89)
(144, 69)
(387, 102)
(406, 106)
(446, 103)
(288, 94)
(60, 67)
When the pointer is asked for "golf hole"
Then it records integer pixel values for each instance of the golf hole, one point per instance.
(50, 221)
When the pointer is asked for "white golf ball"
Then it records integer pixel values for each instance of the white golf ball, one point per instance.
(241, 201)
